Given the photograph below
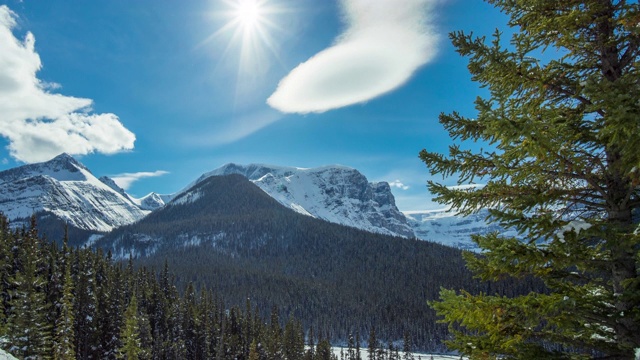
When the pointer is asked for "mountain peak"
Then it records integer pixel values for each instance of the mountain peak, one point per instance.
(65, 188)
(334, 193)
(67, 162)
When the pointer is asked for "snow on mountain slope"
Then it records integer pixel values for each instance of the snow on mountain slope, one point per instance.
(337, 194)
(448, 228)
(149, 202)
(67, 189)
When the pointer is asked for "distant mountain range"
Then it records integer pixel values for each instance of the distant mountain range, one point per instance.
(63, 191)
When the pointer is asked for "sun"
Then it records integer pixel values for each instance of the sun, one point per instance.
(249, 27)
(249, 14)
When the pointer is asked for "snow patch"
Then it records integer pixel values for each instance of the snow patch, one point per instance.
(92, 240)
(186, 198)
(575, 226)
(6, 356)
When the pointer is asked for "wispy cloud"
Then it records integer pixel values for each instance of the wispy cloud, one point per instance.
(39, 124)
(385, 42)
(125, 180)
(232, 130)
(398, 184)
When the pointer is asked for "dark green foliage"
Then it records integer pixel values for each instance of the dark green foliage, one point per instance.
(104, 310)
(28, 329)
(561, 118)
(64, 334)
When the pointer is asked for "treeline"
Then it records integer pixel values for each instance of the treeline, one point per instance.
(57, 302)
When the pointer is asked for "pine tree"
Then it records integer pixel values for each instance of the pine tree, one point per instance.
(407, 347)
(64, 335)
(373, 345)
(274, 337)
(6, 241)
(351, 352)
(323, 351)
(130, 334)
(562, 168)
(253, 350)
(293, 341)
(28, 330)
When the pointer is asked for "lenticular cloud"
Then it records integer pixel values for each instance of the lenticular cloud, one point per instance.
(39, 124)
(385, 43)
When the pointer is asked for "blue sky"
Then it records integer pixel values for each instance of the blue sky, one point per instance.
(155, 93)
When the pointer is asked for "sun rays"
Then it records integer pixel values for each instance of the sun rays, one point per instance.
(249, 26)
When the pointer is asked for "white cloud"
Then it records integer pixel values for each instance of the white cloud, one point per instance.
(398, 184)
(39, 124)
(125, 180)
(385, 42)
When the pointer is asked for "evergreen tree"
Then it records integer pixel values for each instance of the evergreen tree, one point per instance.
(274, 337)
(110, 308)
(6, 241)
(373, 345)
(85, 304)
(293, 341)
(323, 351)
(64, 335)
(253, 350)
(407, 347)
(130, 335)
(351, 351)
(28, 329)
(563, 170)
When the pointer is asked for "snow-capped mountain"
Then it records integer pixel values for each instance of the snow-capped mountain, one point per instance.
(449, 228)
(67, 189)
(149, 202)
(336, 194)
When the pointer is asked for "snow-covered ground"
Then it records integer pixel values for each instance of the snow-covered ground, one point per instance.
(364, 354)
(6, 356)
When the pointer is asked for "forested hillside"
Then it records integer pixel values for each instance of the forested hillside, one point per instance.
(228, 235)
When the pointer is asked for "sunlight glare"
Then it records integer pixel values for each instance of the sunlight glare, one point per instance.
(248, 13)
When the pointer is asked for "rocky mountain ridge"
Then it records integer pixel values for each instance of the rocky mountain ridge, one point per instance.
(65, 188)
(337, 194)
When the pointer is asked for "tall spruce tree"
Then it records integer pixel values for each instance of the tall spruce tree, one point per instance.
(6, 241)
(64, 335)
(562, 118)
(130, 333)
(28, 329)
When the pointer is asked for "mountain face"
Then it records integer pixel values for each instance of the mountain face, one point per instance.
(333, 193)
(66, 189)
(448, 228)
